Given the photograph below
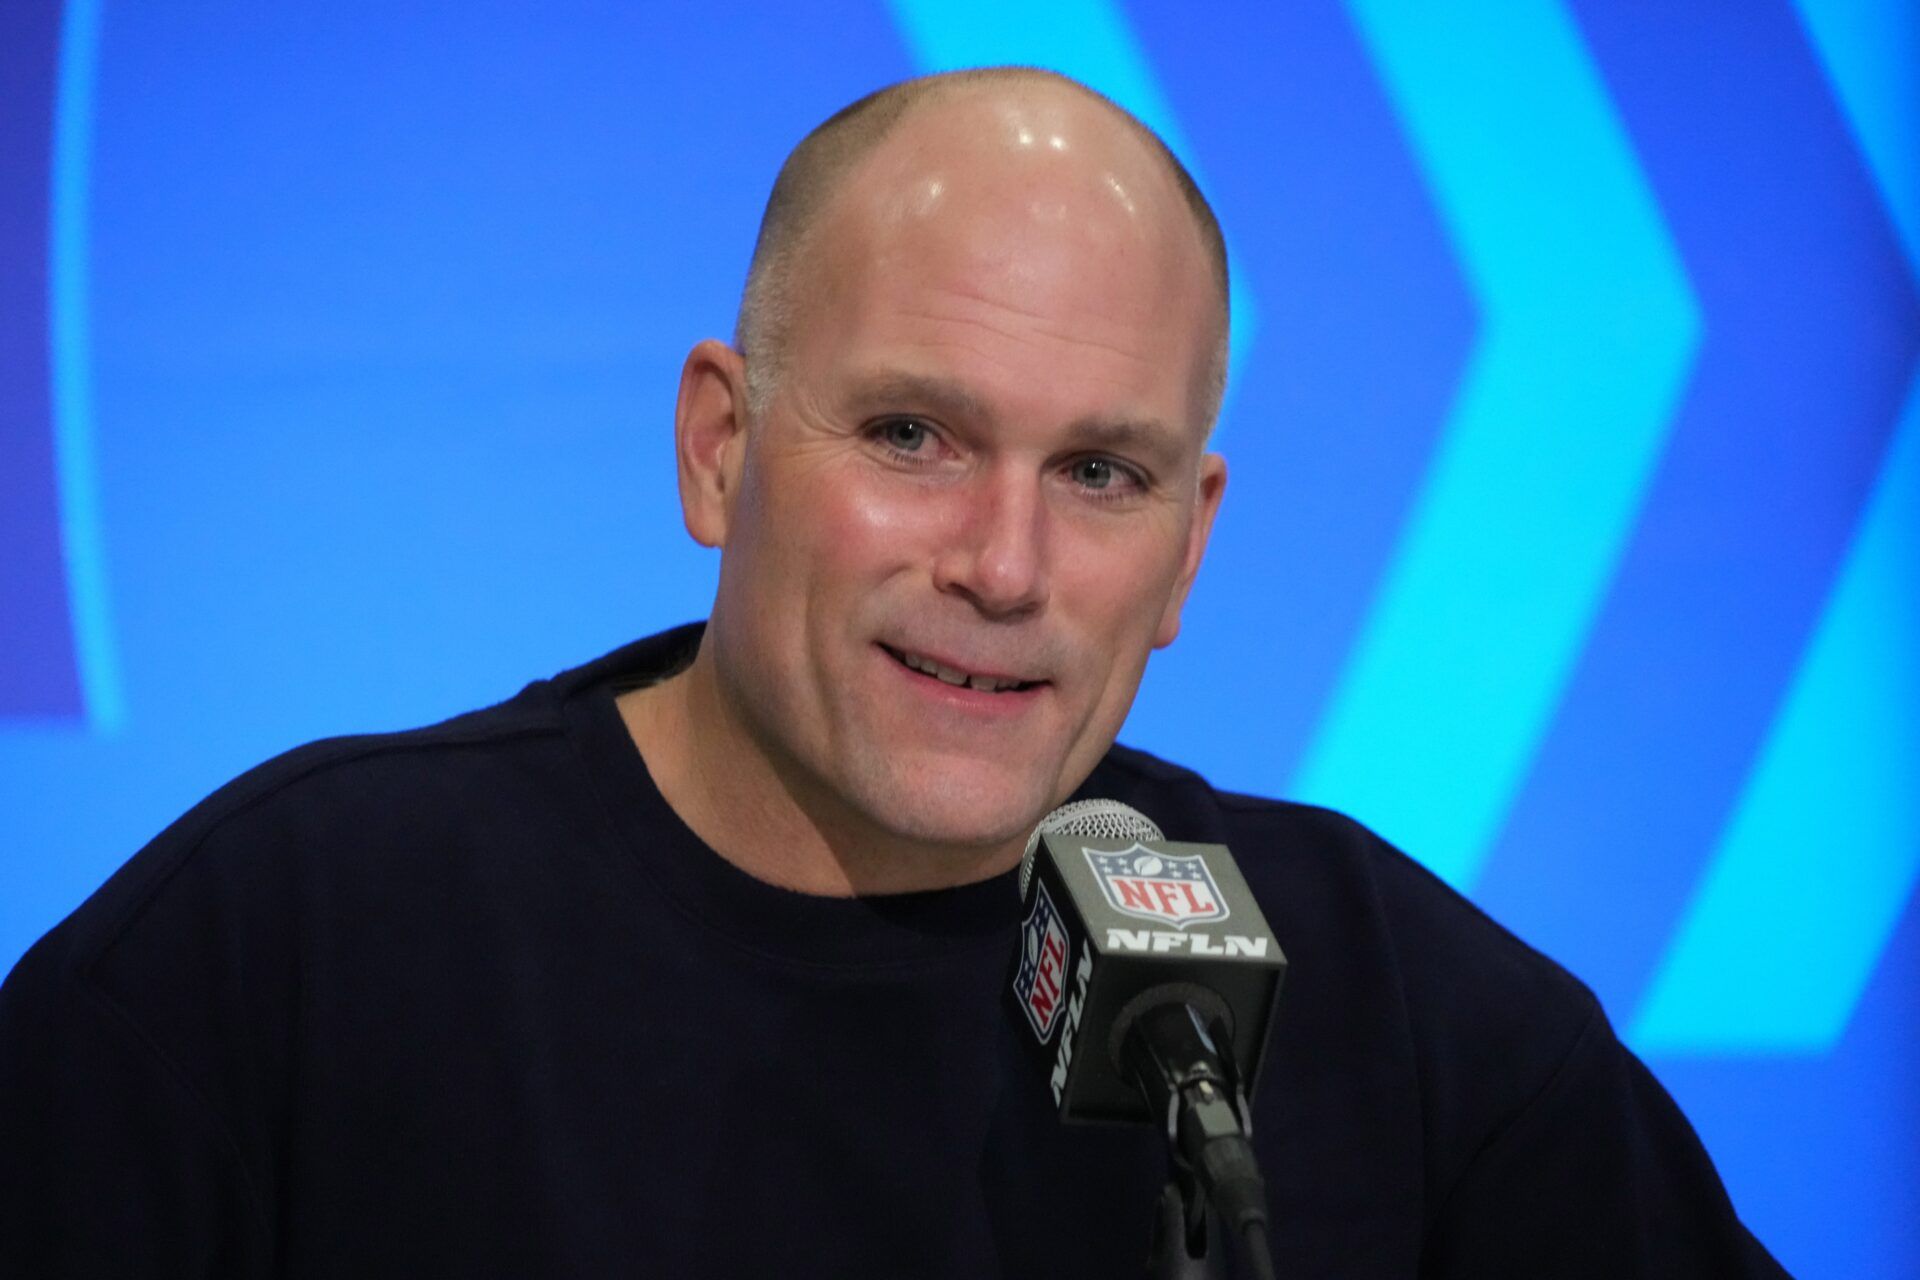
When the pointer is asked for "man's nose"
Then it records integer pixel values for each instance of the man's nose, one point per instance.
(996, 557)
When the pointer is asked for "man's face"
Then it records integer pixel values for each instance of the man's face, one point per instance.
(983, 460)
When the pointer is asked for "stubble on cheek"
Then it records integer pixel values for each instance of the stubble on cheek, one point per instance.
(792, 596)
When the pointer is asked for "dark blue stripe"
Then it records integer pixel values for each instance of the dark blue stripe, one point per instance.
(38, 671)
(1365, 325)
(1822, 1155)
(1811, 328)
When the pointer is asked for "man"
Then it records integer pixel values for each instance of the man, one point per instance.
(690, 961)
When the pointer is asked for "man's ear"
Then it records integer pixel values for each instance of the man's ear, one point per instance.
(1213, 483)
(710, 438)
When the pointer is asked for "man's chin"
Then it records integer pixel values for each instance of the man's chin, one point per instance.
(964, 808)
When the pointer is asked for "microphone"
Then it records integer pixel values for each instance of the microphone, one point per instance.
(1147, 978)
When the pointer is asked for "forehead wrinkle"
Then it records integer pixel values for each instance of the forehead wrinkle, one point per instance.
(1010, 318)
(1080, 338)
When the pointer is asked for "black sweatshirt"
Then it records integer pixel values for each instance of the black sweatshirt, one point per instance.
(472, 1001)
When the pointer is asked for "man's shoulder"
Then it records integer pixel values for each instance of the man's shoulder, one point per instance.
(356, 775)
(335, 808)
(383, 809)
(1392, 974)
(1337, 884)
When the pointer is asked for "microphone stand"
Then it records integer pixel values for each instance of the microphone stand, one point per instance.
(1167, 1046)
(1186, 1238)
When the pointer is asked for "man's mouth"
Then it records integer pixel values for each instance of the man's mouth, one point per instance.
(954, 676)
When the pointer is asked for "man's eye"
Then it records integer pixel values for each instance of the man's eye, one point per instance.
(1093, 473)
(1103, 475)
(908, 435)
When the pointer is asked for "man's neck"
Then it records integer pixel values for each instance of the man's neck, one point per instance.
(715, 777)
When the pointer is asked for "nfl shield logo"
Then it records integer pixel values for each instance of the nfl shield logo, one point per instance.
(1167, 888)
(1040, 980)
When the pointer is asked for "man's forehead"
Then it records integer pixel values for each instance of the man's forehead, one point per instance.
(1027, 206)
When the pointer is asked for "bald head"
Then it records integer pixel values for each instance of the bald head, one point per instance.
(897, 152)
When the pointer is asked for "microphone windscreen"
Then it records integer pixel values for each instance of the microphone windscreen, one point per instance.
(1096, 819)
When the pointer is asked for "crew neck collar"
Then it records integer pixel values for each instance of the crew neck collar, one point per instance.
(887, 929)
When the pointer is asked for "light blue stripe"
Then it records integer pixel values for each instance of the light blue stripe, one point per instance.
(1086, 39)
(1589, 330)
(72, 363)
(1823, 850)
(1871, 52)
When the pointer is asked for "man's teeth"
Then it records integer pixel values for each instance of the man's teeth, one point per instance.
(950, 676)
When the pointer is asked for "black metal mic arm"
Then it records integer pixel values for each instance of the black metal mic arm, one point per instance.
(1174, 1042)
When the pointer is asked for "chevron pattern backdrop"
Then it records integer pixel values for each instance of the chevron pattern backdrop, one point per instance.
(1574, 534)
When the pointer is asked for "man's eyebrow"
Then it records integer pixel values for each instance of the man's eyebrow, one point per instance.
(1159, 442)
(904, 391)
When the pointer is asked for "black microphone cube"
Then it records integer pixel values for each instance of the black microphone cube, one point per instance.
(1107, 920)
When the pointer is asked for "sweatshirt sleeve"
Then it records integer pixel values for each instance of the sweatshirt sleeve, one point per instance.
(112, 1164)
(1601, 1176)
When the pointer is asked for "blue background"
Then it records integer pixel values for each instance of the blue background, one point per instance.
(1573, 539)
